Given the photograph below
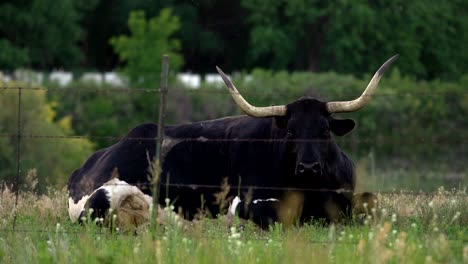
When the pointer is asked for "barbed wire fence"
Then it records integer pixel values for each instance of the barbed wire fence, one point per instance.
(20, 136)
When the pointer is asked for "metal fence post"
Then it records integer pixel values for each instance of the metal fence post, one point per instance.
(160, 137)
(18, 158)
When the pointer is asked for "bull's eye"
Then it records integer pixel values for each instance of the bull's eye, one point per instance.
(290, 133)
(326, 132)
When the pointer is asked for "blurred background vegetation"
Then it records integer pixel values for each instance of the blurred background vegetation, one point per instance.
(412, 135)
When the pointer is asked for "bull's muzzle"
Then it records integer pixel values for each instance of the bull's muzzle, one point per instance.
(314, 168)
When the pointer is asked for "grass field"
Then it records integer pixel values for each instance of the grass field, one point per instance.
(409, 229)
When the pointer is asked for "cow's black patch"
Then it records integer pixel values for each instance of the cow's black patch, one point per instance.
(262, 212)
(99, 203)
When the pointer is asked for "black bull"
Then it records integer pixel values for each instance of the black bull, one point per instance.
(275, 149)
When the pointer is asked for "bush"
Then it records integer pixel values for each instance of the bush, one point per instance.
(53, 159)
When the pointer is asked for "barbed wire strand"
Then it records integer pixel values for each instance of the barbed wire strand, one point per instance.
(224, 91)
(194, 186)
(389, 139)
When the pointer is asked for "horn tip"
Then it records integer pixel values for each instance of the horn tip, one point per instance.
(225, 78)
(384, 67)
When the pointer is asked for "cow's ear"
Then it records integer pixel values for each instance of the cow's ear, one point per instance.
(281, 121)
(341, 127)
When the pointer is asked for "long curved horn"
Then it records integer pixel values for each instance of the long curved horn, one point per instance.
(356, 104)
(268, 111)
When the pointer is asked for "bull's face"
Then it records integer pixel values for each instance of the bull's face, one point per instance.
(308, 122)
(308, 132)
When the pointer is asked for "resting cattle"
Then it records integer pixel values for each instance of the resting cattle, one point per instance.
(277, 150)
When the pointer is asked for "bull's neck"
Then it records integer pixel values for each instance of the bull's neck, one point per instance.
(339, 168)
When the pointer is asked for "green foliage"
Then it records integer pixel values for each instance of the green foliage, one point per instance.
(282, 31)
(54, 159)
(99, 112)
(41, 33)
(351, 37)
(12, 56)
(210, 31)
(143, 49)
(355, 36)
(429, 38)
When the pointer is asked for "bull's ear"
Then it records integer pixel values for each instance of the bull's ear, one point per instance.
(281, 121)
(341, 127)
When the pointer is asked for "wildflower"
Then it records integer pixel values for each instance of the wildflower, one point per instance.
(234, 234)
(413, 225)
(384, 211)
(455, 217)
(394, 218)
(431, 204)
(136, 249)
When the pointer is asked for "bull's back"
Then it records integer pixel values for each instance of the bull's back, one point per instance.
(127, 160)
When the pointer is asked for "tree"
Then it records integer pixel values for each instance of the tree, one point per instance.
(356, 36)
(211, 32)
(286, 34)
(41, 33)
(429, 37)
(54, 159)
(143, 49)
